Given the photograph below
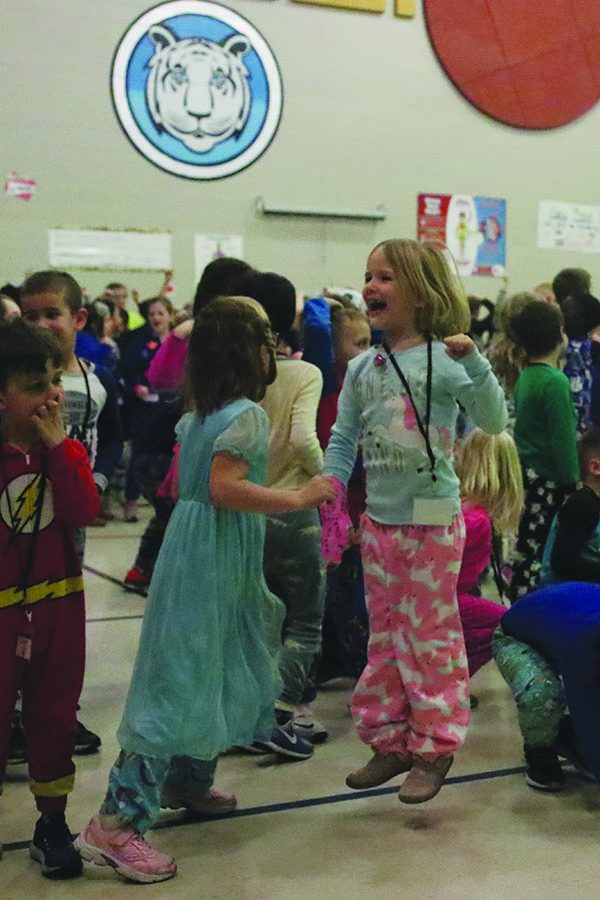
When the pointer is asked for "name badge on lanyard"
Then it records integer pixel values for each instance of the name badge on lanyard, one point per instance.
(433, 510)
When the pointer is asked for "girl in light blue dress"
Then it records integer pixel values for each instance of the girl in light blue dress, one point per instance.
(205, 676)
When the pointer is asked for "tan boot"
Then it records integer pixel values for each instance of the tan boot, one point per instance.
(380, 768)
(212, 802)
(424, 779)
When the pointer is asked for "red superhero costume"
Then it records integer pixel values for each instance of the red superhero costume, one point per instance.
(44, 495)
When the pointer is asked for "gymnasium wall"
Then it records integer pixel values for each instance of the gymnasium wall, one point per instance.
(369, 118)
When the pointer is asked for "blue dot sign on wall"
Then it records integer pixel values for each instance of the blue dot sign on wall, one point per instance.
(196, 89)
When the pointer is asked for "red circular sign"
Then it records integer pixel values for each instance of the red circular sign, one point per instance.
(528, 63)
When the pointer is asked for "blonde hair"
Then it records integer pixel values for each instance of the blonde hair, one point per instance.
(423, 273)
(342, 314)
(490, 476)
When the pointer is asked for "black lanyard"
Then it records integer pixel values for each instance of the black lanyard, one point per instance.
(17, 525)
(423, 428)
(78, 432)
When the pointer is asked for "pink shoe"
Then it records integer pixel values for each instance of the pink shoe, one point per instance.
(125, 850)
(214, 802)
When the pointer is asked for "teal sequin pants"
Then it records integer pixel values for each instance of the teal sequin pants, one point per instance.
(136, 782)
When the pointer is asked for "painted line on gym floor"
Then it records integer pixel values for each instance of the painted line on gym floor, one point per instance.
(110, 578)
(120, 584)
(303, 804)
(332, 798)
(112, 619)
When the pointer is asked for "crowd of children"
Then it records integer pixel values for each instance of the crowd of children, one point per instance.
(266, 471)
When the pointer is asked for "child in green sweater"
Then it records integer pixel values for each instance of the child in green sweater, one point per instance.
(545, 435)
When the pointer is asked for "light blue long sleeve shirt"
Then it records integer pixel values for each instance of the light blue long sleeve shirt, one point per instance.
(375, 412)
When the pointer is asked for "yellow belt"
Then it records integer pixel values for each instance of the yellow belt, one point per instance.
(57, 788)
(44, 590)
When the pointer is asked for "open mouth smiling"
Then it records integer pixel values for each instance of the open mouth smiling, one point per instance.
(376, 305)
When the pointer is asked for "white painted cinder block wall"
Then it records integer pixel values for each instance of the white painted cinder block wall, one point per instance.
(369, 117)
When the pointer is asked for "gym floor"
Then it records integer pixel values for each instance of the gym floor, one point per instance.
(299, 832)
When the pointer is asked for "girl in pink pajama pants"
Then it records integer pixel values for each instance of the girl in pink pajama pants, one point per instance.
(413, 695)
(399, 401)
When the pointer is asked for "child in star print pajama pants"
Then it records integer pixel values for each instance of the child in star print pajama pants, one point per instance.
(413, 695)
(399, 402)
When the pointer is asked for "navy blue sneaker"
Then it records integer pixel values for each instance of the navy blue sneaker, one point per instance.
(286, 741)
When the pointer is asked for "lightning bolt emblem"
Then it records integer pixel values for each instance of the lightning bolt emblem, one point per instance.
(26, 505)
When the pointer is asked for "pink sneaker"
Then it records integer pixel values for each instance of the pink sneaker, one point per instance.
(126, 851)
(214, 802)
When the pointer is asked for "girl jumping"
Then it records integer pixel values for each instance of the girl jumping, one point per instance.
(400, 400)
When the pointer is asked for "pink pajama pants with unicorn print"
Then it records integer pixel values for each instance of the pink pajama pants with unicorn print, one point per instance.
(413, 696)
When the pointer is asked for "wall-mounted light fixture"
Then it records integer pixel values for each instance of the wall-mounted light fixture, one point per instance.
(275, 209)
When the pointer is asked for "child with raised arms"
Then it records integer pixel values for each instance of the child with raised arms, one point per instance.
(400, 400)
(205, 676)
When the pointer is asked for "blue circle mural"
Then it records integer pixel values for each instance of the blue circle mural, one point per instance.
(197, 89)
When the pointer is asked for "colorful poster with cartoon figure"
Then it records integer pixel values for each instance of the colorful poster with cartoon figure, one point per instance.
(473, 229)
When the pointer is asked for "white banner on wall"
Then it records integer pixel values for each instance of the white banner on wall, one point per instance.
(97, 248)
(208, 247)
(568, 226)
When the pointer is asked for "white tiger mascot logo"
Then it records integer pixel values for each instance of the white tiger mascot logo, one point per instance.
(198, 90)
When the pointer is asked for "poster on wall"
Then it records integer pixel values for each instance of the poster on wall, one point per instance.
(100, 248)
(19, 186)
(208, 247)
(196, 89)
(568, 226)
(473, 229)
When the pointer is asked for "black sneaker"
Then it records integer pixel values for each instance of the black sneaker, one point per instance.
(543, 769)
(566, 747)
(53, 848)
(86, 742)
(17, 748)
